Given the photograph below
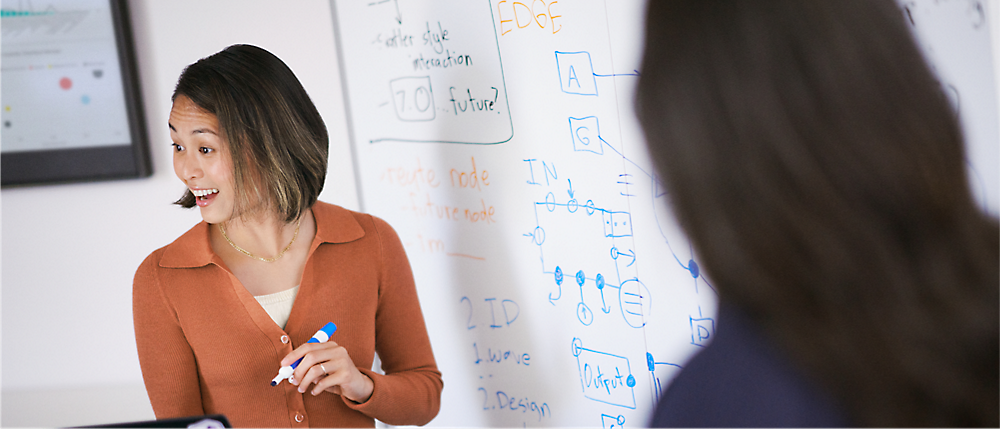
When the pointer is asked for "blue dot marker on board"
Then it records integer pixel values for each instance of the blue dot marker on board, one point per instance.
(649, 361)
(321, 336)
(693, 267)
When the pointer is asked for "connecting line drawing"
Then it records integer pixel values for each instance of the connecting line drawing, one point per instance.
(651, 365)
(398, 16)
(604, 377)
(634, 297)
(586, 135)
(576, 73)
(611, 422)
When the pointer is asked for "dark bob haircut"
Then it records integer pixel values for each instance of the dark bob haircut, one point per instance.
(275, 136)
(814, 161)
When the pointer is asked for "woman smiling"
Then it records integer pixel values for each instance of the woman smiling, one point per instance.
(220, 309)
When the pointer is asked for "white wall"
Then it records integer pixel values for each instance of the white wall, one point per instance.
(70, 251)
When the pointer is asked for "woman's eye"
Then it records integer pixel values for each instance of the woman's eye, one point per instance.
(177, 147)
(206, 150)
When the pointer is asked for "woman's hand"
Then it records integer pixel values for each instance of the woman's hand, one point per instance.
(330, 368)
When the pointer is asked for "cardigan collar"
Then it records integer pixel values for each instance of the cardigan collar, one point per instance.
(334, 224)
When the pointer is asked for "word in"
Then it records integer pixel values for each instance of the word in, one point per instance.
(549, 171)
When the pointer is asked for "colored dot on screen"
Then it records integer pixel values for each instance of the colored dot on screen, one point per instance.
(65, 83)
(85, 99)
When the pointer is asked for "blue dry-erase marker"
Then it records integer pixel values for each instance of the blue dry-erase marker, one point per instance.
(321, 336)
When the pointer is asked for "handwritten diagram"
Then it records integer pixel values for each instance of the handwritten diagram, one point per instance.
(432, 79)
(498, 138)
(523, 243)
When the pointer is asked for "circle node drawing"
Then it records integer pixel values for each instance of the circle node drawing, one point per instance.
(538, 236)
(584, 314)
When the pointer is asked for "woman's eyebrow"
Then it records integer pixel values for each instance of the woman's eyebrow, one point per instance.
(197, 131)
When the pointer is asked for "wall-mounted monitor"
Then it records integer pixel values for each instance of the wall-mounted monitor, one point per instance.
(70, 103)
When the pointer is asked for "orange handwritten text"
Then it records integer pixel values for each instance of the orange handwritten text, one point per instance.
(422, 206)
(470, 179)
(523, 13)
(410, 176)
(436, 246)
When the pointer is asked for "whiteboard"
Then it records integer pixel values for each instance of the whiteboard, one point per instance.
(498, 138)
(955, 37)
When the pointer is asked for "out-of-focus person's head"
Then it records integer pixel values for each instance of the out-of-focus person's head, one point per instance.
(274, 136)
(814, 161)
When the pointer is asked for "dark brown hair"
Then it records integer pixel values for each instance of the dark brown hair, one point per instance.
(275, 136)
(814, 162)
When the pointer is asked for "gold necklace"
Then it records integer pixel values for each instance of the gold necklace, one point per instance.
(278, 256)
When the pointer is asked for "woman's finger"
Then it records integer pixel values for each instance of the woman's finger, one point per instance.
(304, 349)
(305, 374)
(333, 381)
(313, 374)
(326, 362)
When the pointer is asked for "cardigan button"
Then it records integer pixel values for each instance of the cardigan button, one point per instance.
(299, 417)
(284, 339)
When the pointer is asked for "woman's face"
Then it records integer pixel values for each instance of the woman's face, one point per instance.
(201, 159)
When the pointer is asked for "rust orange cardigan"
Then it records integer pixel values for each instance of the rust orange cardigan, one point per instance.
(206, 346)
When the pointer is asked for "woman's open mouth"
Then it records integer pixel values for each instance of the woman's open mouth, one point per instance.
(204, 196)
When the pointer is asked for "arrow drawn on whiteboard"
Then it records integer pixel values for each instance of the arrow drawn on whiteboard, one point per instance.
(634, 73)
(570, 191)
(559, 280)
(630, 254)
(399, 16)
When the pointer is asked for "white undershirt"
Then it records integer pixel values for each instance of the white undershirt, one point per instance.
(279, 305)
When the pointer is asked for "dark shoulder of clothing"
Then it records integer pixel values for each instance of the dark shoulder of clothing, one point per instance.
(742, 379)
